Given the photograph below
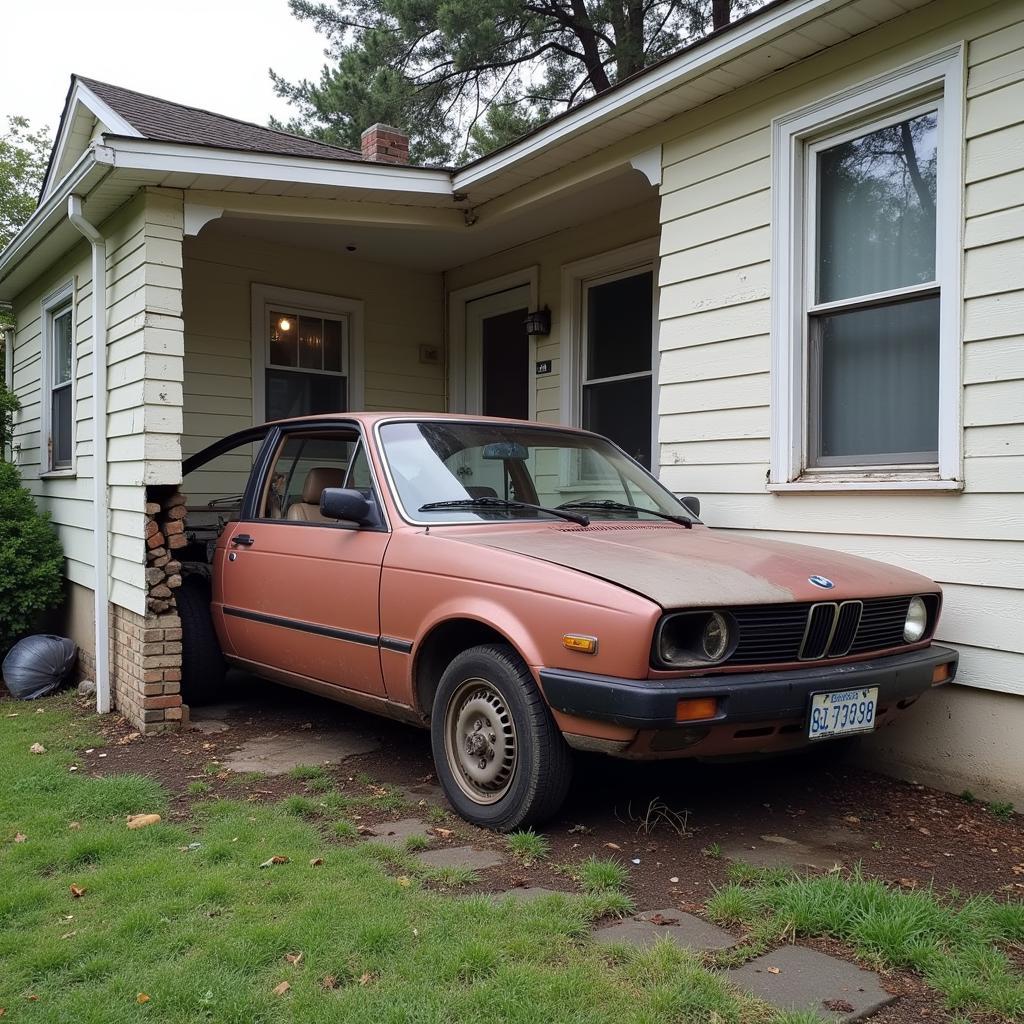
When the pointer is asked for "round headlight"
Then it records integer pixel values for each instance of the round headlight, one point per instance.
(917, 621)
(715, 639)
(693, 639)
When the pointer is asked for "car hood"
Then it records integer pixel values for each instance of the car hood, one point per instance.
(677, 567)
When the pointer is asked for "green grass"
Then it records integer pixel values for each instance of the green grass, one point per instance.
(713, 851)
(344, 829)
(306, 772)
(198, 788)
(953, 943)
(416, 843)
(302, 806)
(204, 931)
(1002, 811)
(598, 875)
(527, 846)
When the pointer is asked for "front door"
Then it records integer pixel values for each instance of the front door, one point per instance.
(299, 593)
(498, 355)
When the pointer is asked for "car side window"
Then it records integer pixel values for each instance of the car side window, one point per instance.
(303, 466)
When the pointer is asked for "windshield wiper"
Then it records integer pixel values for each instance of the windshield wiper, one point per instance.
(622, 506)
(488, 502)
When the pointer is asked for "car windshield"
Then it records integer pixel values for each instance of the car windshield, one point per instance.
(463, 472)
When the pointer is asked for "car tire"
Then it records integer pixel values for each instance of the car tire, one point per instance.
(499, 755)
(202, 663)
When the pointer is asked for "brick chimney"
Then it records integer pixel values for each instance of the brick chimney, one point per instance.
(383, 144)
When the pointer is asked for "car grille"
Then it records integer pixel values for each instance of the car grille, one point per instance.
(809, 632)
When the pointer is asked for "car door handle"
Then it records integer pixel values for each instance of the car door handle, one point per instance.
(243, 538)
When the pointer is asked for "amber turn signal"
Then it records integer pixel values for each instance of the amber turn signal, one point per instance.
(695, 708)
(583, 644)
(940, 674)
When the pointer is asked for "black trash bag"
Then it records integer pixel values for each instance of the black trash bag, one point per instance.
(37, 665)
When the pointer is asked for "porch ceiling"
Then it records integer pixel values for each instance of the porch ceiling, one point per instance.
(440, 246)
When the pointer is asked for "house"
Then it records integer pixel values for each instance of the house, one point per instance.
(784, 267)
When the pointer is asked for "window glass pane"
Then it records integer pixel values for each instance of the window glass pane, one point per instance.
(304, 466)
(876, 210)
(61, 427)
(311, 342)
(283, 333)
(293, 393)
(62, 347)
(878, 383)
(621, 410)
(619, 322)
(332, 345)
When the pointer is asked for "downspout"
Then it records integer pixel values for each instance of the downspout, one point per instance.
(101, 532)
(8, 339)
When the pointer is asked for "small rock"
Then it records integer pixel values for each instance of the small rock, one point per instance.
(86, 688)
(37, 748)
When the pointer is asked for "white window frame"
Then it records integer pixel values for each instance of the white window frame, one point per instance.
(576, 278)
(316, 304)
(56, 304)
(933, 82)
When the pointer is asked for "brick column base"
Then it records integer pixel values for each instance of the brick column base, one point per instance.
(146, 669)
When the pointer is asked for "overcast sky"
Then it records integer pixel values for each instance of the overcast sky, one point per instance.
(208, 53)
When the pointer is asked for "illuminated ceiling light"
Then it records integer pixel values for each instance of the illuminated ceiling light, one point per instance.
(284, 324)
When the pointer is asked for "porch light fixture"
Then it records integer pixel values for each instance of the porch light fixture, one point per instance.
(284, 324)
(538, 322)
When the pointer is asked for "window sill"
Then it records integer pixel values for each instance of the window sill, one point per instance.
(811, 486)
(59, 474)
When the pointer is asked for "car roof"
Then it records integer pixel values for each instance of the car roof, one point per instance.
(369, 419)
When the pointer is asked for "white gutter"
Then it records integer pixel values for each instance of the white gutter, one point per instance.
(8, 340)
(101, 526)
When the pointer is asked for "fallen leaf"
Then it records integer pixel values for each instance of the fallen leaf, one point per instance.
(276, 859)
(69, 935)
(77, 891)
(20, 837)
(365, 979)
(908, 883)
(365, 830)
(73, 768)
(142, 820)
(442, 833)
(37, 748)
(75, 826)
(316, 862)
(33, 998)
(852, 819)
(142, 999)
(662, 920)
(3, 1011)
(379, 790)
(294, 958)
(279, 990)
(613, 846)
(330, 981)
(404, 881)
(837, 1005)
(774, 970)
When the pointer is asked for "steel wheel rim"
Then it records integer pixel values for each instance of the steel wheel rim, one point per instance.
(480, 741)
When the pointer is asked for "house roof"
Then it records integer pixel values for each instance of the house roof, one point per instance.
(164, 121)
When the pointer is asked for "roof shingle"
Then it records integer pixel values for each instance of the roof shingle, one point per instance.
(164, 121)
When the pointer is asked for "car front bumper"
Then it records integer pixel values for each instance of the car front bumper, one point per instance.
(746, 697)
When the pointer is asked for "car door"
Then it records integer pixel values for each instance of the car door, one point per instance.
(299, 593)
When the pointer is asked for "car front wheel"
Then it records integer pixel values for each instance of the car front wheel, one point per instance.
(499, 754)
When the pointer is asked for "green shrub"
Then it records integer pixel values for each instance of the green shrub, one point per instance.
(31, 560)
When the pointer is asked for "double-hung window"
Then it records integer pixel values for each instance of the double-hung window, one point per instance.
(866, 327)
(307, 363)
(58, 368)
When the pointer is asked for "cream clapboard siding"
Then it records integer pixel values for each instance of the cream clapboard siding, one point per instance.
(143, 291)
(403, 310)
(548, 255)
(715, 274)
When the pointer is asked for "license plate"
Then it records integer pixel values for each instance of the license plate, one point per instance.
(842, 712)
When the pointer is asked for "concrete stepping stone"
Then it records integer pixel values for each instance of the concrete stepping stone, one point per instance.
(276, 754)
(795, 978)
(819, 850)
(422, 791)
(395, 833)
(652, 926)
(461, 857)
(526, 894)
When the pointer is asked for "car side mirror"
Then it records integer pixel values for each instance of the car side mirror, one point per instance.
(692, 503)
(345, 503)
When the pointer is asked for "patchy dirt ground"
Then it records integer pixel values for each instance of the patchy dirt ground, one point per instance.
(669, 820)
(675, 825)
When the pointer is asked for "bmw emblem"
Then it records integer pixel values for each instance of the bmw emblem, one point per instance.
(821, 581)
